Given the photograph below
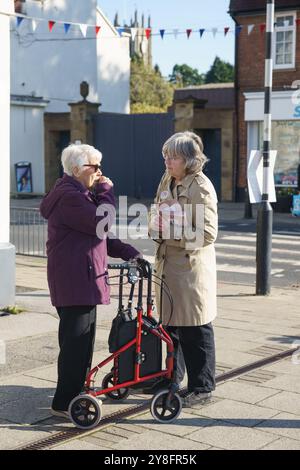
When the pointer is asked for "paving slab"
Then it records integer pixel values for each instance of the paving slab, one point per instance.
(282, 424)
(241, 392)
(230, 437)
(242, 414)
(283, 444)
(283, 401)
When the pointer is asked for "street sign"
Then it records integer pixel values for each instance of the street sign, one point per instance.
(255, 176)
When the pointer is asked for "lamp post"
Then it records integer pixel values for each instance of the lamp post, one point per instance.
(265, 212)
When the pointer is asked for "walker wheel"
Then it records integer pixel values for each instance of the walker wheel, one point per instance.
(164, 407)
(85, 411)
(120, 394)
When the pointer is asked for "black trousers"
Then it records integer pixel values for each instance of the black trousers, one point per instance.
(76, 336)
(195, 348)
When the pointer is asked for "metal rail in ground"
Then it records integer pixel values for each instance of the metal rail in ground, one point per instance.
(72, 433)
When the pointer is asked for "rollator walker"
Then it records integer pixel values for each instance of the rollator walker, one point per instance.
(135, 342)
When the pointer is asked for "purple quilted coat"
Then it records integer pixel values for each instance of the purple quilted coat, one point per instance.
(77, 258)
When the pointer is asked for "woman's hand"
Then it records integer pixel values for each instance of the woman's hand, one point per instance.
(105, 179)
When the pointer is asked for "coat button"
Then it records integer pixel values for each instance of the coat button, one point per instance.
(163, 256)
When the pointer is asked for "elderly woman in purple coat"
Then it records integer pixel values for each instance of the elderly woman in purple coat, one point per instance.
(77, 263)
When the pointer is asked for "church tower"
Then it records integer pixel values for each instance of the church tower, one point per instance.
(139, 46)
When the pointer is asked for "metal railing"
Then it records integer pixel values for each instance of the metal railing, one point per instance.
(28, 231)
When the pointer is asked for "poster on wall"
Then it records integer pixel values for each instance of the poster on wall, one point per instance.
(286, 140)
(23, 177)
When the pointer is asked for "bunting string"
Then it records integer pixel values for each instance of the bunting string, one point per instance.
(144, 32)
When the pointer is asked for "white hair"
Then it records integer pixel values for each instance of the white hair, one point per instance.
(189, 146)
(78, 155)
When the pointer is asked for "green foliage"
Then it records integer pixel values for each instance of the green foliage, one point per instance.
(13, 310)
(184, 75)
(220, 72)
(288, 191)
(149, 92)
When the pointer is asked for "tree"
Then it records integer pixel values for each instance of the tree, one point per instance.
(184, 75)
(220, 72)
(149, 91)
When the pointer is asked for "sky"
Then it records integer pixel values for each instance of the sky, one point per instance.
(181, 14)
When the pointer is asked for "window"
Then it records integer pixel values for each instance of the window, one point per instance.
(285, 41)
(286, 140)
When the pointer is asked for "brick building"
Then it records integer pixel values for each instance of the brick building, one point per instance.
(250, 64)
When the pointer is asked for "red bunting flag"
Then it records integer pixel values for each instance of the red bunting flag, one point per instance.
(298, 22)
(50, 25)
(148, 32)
(226, 31)
(262, 27)
(188, 32)
(97, 29)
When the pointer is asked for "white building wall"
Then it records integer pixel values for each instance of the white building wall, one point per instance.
(52, 66)
(7, 250)
(27, 142)
(113, 68)
(4, 122)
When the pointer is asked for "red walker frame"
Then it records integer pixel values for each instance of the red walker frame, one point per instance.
(157, 330)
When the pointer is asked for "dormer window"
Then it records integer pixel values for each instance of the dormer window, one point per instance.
(285, 41)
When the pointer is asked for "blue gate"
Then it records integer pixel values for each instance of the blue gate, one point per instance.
(131, 146)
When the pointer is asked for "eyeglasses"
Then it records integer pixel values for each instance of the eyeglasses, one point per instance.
(167, 157)
(96, 166)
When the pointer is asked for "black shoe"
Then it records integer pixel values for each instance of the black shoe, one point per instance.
(60, 413)
(160, 384)
(196, 398)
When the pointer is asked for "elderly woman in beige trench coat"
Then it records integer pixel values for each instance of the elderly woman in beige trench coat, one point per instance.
(184, 224)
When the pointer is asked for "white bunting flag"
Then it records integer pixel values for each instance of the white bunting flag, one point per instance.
(33, 25)
(250, 28)
(133, 33)
(175, 31)
(83, 29)
(214, 31)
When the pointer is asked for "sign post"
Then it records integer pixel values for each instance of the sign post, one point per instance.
(265, 212)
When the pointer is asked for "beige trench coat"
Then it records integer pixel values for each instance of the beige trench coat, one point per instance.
(189, 271)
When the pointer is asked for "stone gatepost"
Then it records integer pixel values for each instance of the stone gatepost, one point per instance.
(81, 117)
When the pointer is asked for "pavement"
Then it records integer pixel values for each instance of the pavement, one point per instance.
(258, 410)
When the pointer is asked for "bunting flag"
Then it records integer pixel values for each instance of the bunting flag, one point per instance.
(67, 27)
(188, 32)
(214, 31)
(262, 28)
(19, 20)
(175, 32)
(298, 22)
(250, 28)
(83, 29)
(148, 32)
(50, 25)
(133, 33)
(33, 25)
(97, 29)
(120, 30)
(162, 32)
(226, 30)
(201, 31)
(238, 30)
